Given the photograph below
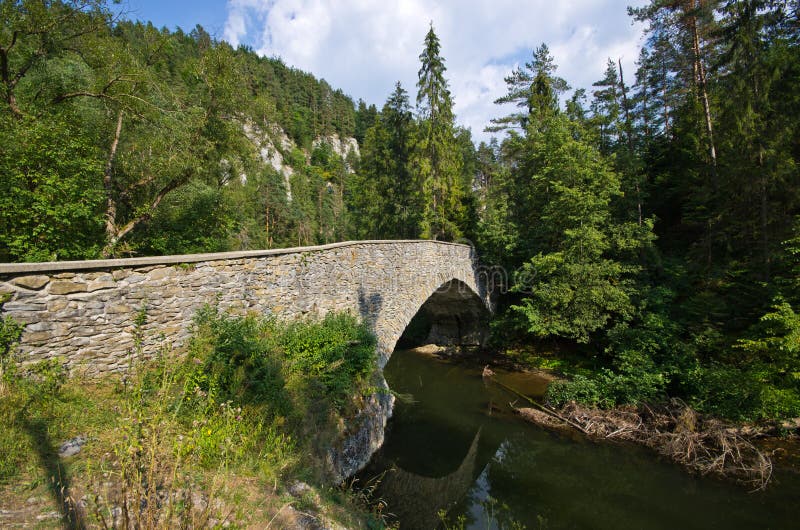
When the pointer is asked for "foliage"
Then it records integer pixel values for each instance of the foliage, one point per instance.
(656, 221)
(436, 159)
(652, 220)
(577, 287)
(162, 443)
(10, 332)
(50, 191)
(336, 353)
(250, 360)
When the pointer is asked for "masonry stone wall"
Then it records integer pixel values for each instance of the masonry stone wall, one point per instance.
(84, 312)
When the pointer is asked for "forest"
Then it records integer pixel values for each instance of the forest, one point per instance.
(650, 224)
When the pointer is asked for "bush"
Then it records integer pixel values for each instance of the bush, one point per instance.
(10, 332)
(580, 389)
(252, 360)
(335, 352)
(235, 359)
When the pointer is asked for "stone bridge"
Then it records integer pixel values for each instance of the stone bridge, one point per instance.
(83, 312)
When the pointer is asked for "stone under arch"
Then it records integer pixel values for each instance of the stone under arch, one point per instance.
(452, 316)
(451, 306)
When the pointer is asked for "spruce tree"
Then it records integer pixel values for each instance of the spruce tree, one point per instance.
(437, 161)
(383, 196)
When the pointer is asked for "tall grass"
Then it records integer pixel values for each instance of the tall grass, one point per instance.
(251, 400)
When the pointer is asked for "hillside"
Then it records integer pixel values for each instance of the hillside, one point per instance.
(125, 139)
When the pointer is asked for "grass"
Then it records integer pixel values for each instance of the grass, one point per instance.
(202, 439)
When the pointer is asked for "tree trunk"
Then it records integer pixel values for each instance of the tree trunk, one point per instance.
(764, 212)
(700, 79)
(112, 234)
(624, 90)
(8, 81)
(665, 82)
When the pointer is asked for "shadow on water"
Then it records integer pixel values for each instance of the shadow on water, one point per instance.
(428, 495)
(58, 479)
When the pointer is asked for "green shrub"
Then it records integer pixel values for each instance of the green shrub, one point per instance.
(726, 391)
(235, 359)
(10, 332)
(778, 403)
(580, 389)
(336, 352)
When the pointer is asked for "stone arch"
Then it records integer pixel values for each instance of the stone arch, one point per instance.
(456, 314)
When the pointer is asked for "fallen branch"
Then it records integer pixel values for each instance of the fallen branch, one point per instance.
(676, 431)
(489, 375)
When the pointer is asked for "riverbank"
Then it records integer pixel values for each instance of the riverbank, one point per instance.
(537, 477)
(703, 444)
(240, 430)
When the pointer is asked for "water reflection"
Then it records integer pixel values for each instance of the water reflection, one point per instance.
(423, 497)
(458, 447)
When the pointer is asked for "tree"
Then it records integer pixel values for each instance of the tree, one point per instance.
(384, 197)
(436, 160)
(607, 110)
(534, 88)
(365, 118)
(34, 32)
(582, 277)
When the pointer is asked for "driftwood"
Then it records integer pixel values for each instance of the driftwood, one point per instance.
(676, 431)
(488, 375)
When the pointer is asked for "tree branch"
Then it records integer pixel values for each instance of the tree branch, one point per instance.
(172, 185)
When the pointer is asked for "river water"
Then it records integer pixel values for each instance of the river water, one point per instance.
(453, 444)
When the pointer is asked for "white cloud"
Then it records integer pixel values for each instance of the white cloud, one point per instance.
(364, 46)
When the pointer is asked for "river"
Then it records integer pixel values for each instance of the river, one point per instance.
(453, 444)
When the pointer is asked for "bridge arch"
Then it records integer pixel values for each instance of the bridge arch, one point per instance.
(452, 314)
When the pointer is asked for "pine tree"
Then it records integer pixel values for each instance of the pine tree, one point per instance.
(533, 88)
(579, 276)
(437, 161)
(383, 195)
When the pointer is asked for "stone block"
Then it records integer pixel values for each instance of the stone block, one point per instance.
(24, 306)
(115, 308)
(67, 287)
(57, 304)
(38, 337)
(97, 285)
(160, 274)
(34, 282)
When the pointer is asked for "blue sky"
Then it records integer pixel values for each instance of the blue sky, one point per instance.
(365, 46)
(211, 14)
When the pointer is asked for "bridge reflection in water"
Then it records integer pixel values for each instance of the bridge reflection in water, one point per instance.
(423, 497)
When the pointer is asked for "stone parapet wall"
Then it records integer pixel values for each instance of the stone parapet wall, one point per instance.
(84, 312)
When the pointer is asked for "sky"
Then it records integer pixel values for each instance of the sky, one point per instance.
(365, 46)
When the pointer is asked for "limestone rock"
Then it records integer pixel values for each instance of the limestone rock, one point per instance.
(34, 282)
(67, 287)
